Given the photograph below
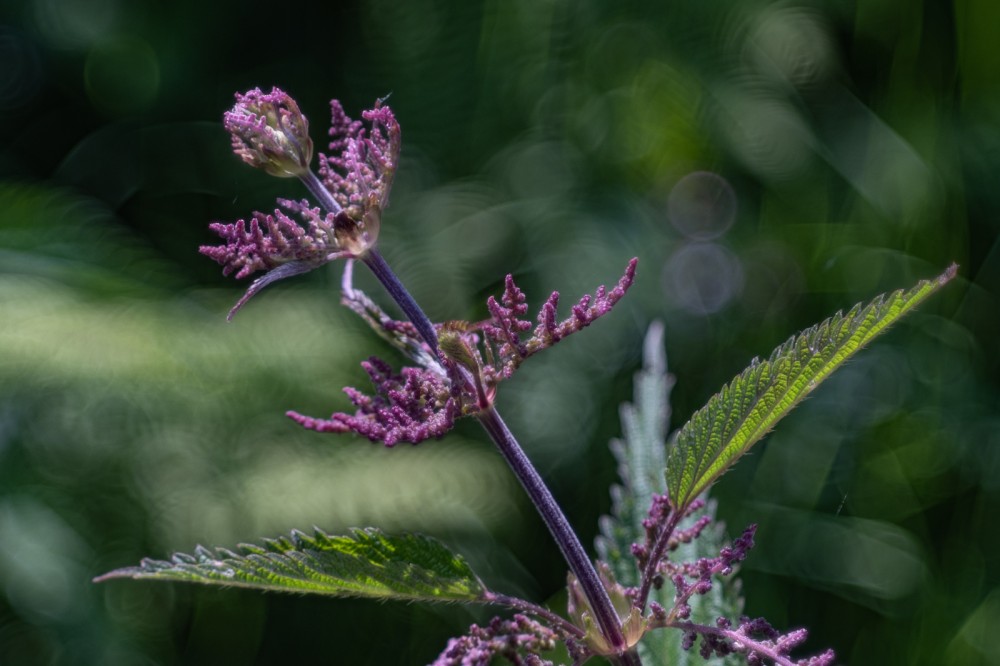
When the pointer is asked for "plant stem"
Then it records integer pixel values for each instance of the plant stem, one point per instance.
(555, 520)
(318, 190)
(531, 480)
(527, 607)
(373, 260)
(749, 645)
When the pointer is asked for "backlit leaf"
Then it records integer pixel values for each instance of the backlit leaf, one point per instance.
(367, 563)
(750, 405)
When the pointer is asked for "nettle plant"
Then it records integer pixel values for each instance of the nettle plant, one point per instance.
(663, 582)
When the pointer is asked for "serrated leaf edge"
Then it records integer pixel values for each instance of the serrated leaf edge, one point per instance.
(689, 476)
(294, 565)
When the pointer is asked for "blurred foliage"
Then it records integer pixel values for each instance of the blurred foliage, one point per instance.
(769, 162)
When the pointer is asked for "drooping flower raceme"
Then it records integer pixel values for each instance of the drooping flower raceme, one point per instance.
(270, 132)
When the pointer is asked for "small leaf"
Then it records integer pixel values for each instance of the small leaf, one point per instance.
(752, 403)
(367, 563)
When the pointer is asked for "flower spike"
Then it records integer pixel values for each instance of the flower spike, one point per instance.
(277, 244)
(518, 640)
(507, 323)
(273, 240)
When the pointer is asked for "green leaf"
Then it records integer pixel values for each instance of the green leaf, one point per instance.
(752, 403)
(366, 563)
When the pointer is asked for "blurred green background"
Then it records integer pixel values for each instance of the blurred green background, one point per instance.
(768, 162)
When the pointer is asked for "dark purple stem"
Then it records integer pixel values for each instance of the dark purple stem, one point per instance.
(377, 264)
(318, 190)
(564, 535)
(512, 452)
(399, 293)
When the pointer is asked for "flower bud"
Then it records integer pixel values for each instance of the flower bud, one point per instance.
(455, 348)
(270, 133)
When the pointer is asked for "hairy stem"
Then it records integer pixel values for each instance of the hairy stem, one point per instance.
(555, 520)
(522, 605)
(373, 260)
(541, 496)
(318, 190)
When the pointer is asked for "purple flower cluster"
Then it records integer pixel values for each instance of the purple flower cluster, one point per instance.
(411, 406)
(756, 640)
(423, 402)
(704, 569)
(272, 240)
(658, 526)
(360, 168)
(269, 132)
(518, 640)
(506, 326)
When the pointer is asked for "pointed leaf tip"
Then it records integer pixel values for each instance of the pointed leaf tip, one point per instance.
(753, 402)
(366, 563)
(279, 273)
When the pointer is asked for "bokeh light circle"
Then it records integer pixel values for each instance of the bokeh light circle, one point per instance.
(793, 44)
(702, 278)
(768, 135)
(702, 205)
